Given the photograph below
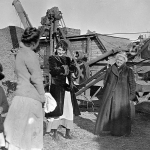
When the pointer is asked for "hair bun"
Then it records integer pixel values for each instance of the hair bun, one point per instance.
(30, 35)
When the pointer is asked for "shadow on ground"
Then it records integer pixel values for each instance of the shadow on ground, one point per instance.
(138, 140)
(85, 124)
(85, 139)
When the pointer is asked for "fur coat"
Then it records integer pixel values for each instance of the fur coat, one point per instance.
(115, 111)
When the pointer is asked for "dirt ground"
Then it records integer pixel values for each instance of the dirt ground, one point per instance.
(84, 139)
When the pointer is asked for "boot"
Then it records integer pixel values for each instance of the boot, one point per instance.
(55, 135)
(3, 148)
(68, 136)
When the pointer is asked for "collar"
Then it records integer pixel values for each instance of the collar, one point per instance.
(22, 46)
(117, 70)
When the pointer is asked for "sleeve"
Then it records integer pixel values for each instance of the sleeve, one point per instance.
(132, 84)
(4, 103)
(33, 66)
(106, 75)
(72, 66)
(54, 69)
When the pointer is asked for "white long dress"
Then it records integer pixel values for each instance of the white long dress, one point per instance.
(66, 119)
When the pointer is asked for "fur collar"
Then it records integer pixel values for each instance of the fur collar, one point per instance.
(117, 70)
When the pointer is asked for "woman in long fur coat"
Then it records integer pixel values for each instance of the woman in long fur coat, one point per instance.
(119, 89)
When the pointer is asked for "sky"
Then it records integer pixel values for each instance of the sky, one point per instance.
(101, 16)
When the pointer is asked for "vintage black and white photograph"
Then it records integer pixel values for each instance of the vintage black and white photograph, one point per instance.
(74, 75)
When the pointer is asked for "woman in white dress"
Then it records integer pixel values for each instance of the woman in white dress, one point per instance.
(24, 122)
(61, 67)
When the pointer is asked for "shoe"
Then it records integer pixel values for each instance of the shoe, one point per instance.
(68, 137)
(3, 148)
(48, 133)
(55, 137)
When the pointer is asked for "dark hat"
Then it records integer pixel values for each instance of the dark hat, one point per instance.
(1, 70)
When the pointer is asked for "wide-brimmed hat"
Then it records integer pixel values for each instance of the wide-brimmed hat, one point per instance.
(1, 74)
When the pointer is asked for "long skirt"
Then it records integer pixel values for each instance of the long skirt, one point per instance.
(66, 119)
(23, 125)
(2, 140)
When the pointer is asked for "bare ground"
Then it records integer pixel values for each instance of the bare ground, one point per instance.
(84, 139)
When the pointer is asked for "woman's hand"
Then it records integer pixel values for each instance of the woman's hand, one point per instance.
(42, 98)
(66, 68)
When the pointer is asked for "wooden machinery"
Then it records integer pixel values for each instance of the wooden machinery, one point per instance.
(53, 29)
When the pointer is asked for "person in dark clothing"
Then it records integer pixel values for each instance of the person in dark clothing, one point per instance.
(3, 111)
(61, 69)
(119, 89)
